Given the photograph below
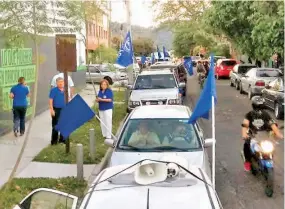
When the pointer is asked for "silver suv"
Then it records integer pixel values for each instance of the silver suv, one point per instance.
(155, 87)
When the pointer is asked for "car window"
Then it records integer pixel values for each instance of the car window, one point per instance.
(159, 134)
(229, 63)
(93, 69)
(161, 81)
(267, 73)
(244, 69)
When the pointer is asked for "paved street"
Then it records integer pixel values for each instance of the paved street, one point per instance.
(236, 189)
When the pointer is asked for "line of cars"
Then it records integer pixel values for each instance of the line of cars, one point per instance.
(167, 135)
(265, 82)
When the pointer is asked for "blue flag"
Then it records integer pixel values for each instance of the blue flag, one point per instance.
(188, 65)
(143, 59)
(125, 57)
(73, 115)
(158, 52)
(204, 103)
(152, 59)
(165, 53)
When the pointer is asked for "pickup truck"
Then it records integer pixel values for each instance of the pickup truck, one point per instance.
(237, 72)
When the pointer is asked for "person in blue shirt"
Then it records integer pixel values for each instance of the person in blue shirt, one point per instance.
(105, 100)
(19, 94)
(56, 103)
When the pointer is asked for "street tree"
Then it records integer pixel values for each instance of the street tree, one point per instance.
(143, 46)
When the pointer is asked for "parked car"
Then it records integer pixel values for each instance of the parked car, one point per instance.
(162, 120)
(154, 88)
(254, 81)
(224, 67)
(237, 72)
(273, 94)
(120, 187)
(216, 58)
(99, 72)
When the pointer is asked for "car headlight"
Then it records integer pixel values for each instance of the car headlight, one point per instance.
(267, 146)
(134, 103)
(173, 101)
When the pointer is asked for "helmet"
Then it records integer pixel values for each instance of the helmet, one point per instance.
(257, 103)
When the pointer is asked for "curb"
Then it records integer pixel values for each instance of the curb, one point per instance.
(103, 164)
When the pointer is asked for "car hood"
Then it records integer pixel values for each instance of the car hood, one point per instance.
(120, 158)
(138, 95)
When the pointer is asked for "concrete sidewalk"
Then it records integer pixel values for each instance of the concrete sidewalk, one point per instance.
(39, 138)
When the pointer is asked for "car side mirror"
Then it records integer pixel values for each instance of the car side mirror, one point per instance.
(182, 85)
(209, 142)
(110, 142)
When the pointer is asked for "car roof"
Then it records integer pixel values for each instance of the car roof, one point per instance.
(160, 111)
(246, 64)
(156, 72)
(266, 68)
(162, 66)
(228, 60)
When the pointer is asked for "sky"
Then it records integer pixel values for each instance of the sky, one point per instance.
(142, 14)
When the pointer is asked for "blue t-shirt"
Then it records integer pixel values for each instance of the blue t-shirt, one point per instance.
(20, 92)
(58, 97)
(108, 94)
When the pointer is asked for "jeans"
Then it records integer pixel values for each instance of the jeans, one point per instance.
(247, 151)
(19, 116)
(54, 121)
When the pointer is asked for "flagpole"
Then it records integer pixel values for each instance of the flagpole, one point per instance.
(214, 144)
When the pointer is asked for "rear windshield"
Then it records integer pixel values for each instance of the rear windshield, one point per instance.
(268, 73)
(244, 69)
(229, 63)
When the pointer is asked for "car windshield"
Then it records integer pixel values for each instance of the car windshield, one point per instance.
(244, 69)
(229, 63)
(161, 81)
(267, 73)
(158, 135)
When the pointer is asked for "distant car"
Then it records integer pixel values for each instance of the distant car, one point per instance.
(254, 81)
(237, 72)
(162, 120)
(100, 72)
(224, 67)
(154, 88)
(273, 94)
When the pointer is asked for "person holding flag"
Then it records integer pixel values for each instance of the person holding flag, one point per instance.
(206, 102)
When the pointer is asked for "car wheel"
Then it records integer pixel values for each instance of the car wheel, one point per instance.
(277, 111)
(237, 85)
(231, 83)
(240, 89)
(250, 95)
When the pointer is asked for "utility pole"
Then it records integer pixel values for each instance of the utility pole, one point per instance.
(130, 71)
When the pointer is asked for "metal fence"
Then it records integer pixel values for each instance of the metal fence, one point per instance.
(15, 63)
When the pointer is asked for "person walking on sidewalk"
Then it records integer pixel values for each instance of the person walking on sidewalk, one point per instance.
(19, 94)
(105, 100)
(56, 103)
(70, 84)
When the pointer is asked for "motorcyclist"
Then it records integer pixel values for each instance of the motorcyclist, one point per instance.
(254, 121)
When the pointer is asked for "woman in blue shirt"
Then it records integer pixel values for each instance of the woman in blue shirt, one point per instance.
(19, 94)
(105, 100)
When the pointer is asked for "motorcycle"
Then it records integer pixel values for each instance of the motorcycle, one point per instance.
(262, 162)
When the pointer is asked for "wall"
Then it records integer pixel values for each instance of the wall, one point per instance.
(47, 69)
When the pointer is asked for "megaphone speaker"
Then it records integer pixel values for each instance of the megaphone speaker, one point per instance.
(149, 172)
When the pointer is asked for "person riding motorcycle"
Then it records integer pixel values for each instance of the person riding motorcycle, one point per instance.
(201, 71)
(254, 121)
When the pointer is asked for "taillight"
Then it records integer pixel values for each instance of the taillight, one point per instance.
(259, 83)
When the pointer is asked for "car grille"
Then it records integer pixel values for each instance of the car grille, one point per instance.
(153, 102)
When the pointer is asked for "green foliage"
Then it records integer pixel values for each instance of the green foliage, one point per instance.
(142, 46)
(104, 55)
(19, 188)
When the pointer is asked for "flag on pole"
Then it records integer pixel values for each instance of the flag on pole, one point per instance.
(158, 52)
(204, 103)
(143, 59)
(125, 57)
(152, 59)
(188, 65)
(165, 53)
(73, 115)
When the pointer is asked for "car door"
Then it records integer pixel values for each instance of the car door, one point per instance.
(48, 199)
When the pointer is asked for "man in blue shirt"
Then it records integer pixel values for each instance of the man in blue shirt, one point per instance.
(56, 103)
(19, 94)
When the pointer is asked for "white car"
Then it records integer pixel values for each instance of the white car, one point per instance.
(163, 121)
(154, 88)
(122, 187)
